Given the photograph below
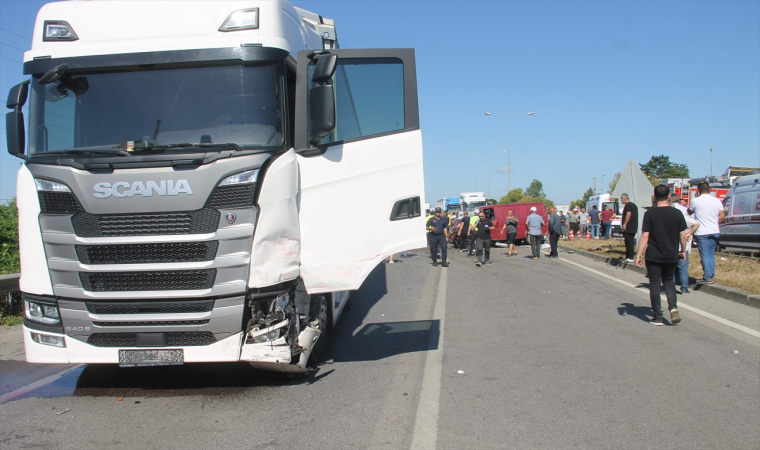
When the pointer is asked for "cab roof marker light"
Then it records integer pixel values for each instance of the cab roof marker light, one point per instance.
(58, 30)
(244, 19)
(249, 176)
(50, 186)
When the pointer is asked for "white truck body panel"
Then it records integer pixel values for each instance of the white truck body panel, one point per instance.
(394, 162)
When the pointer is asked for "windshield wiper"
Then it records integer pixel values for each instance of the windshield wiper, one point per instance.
(189, 145)
(71, 152)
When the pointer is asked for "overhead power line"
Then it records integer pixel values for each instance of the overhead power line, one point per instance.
(9, 45)
(15, 60)
(15, 34)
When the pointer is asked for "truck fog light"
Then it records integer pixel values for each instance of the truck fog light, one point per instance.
(40, 312)
(46, 339)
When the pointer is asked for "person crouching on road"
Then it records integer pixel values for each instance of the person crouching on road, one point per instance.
(483, 235)
(664, 238)
(534, 224)
(439, 234)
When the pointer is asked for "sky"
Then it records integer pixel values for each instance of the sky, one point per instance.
(607, 82)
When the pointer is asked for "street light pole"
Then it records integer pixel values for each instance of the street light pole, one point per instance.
(476, 175)
(509, 144)
(711, 153)
(490, 154)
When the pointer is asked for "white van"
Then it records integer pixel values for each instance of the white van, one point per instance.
(741, 227)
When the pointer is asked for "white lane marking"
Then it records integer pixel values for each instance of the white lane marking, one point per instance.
(426, 424)
(10, 396)
(706, 314)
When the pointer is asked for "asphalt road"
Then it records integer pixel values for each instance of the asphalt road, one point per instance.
(552, 356)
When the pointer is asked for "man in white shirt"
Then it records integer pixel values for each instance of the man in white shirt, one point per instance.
(682, 268)
(707, 210)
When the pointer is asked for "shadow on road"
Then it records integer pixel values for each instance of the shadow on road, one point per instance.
(629, 309)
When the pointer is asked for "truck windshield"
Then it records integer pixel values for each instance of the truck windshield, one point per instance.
(471, 205)
(152, 110)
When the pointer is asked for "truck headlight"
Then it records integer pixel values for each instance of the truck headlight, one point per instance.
(56, 198)
(235, 190)
(41, 312)
(46, 339)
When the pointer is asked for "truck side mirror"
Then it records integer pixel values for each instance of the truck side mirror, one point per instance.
(14, 120)
(322, 98)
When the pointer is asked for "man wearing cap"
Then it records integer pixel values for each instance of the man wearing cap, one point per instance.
(534, 224)
(438, 233)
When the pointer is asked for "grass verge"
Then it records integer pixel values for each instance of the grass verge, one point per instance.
(738, 272)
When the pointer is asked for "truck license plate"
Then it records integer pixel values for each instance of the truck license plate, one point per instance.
(147, 358)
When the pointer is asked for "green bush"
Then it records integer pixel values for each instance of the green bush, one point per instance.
(9, 262)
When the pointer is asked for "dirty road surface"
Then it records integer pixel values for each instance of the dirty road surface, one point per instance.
(516, 354)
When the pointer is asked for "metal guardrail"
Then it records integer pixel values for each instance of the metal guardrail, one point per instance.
(9, 283)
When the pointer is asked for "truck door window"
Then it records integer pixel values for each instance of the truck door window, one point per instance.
(369, 96)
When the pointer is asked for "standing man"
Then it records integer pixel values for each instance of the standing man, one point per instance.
(534, 224)
(572, 221)
(583, 221)
(682, 269)
(607, 216)
(464, 230)
(707, 210)
(554, 232)
(562, 225)
(473, 221)
(483, 233)
(630, 224)
(594, 220)
(439, 234)
(664, 238)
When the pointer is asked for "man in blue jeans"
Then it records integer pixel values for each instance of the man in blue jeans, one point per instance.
(594, 220)
(682, 268)
(707, 210)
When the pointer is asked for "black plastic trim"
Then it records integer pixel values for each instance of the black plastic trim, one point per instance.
(40, 66)
(45, 327)
(407, 208)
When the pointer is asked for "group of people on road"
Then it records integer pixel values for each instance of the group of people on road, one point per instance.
(666, 235)
(473, 234)
(666, 238)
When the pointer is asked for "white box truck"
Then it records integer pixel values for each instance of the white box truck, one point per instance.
(177, 197)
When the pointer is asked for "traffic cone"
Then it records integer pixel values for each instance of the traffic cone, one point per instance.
(571, 235)
(588, 234)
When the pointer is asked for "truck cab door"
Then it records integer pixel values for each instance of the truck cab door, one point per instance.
(361, 183)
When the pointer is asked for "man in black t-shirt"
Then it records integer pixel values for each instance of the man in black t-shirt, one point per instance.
(482, 233)
(630, 224)
(664, 238)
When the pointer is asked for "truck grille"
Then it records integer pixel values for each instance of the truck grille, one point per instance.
(232, 196)
(147, 253)
(201, 221)
(58, 203)
(150, 307)
(150, 324)
(147, 281)
(190, 339)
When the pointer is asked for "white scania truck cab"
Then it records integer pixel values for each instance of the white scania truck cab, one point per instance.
(180, 165)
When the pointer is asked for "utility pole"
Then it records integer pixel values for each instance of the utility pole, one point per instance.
(594, 185)
(711, 153)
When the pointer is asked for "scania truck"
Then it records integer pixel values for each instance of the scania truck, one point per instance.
(180, 168)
